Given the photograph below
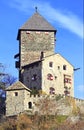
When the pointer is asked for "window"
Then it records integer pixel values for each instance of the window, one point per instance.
(27, 32)
(30, 105)
(58, 67)
(67, 90)
(64, 67)
(16, 93)
(34, 77)
(52, 90)
(47, 33)
(67, 80)
(38, 32)
(50, 64)
(49, 76)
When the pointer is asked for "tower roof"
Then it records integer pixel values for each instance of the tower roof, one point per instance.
(37, 23)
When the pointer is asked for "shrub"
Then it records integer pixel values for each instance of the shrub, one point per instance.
(61, 118)
(58, 97)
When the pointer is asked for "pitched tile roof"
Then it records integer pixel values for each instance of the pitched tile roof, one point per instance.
(38, 22)
(17, 86)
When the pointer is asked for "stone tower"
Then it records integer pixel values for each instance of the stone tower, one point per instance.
(36, 40)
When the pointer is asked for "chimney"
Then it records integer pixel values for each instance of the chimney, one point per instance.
(42, 55)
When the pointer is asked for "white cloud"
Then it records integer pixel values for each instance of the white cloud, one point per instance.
(67, 20)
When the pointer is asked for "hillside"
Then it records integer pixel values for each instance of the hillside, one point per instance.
(69, 115)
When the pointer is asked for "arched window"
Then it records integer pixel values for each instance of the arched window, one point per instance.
(30, 105)
(49, 76)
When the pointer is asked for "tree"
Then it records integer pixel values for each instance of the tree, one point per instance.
(2, 88)
(9, 79)
(5, 81)
(2, 84)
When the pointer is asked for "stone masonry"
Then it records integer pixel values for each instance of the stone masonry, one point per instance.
(35, 42)
(40, 69)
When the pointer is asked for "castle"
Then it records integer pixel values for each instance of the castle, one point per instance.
(41, 70)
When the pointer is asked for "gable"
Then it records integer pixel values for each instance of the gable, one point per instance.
(57, 58)
(17, 86)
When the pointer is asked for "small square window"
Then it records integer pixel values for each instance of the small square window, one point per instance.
(27, 32)
(34, 77)
(38, 32)
(47, 33)
(50, 64)
(58, 67)
(16, 93)
(64, 67)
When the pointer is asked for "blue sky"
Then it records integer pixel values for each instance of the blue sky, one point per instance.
(65, 15)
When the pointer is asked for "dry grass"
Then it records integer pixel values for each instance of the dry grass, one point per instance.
(35, 122)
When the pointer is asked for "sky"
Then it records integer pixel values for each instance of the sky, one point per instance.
(67, 18)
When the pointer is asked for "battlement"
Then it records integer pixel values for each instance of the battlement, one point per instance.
(77, 100)
(38, 96)
(53, 96)
(42, 96)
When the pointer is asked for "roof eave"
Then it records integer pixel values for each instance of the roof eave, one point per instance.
(17, 89)
(18, 35)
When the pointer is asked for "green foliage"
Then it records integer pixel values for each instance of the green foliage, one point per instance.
(58, 97)
(34, 92)
(61, 118)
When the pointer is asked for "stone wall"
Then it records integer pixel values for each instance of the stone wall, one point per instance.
(33, 43)
(80, 104)
(41, 104)
(32, 76)
(15, 102)
(56, 105)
